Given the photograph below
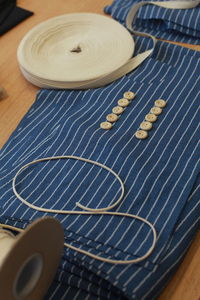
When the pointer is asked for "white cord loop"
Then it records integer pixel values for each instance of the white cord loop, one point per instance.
(89, 211)
(77, 203)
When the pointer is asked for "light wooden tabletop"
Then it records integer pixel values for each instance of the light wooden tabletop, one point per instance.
(185, 285)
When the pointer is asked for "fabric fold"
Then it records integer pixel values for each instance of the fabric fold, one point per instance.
(170, 24)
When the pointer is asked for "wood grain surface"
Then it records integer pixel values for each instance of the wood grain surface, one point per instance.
(185, 284)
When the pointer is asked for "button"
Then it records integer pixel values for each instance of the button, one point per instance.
(151, 118)
(118, 110)
(160, 103)
(156, 110)
(129, 95)
(141, 134)
(112, 118)
(123, 102)
(106, 125)
(146, 125)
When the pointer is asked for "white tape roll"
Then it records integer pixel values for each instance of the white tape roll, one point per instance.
(84, 50)
(71, 50)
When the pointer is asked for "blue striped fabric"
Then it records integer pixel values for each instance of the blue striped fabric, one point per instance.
(160, 175)
(170, 24)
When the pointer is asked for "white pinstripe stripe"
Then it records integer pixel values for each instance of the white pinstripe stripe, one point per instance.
(38, 96)
(164, 274)
(65, 293)
(19, 160)
(129, 280)
(28, 125)
(55, 291)
(8, 143)
(62, 272)
(51, 119)
(125, 11)
(183, 221)
(171, 212)
(23, 137)
(174, 209)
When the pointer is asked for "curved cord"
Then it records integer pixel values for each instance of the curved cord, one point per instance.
(77, 203)
(89, 211)
(100, 258)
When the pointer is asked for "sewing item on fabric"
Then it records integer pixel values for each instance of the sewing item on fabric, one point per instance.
(118, 110)
(90, 211)
(27, 267)
(84, 50)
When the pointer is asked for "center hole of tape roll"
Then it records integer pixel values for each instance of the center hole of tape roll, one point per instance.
(28, 276)
(76, 49)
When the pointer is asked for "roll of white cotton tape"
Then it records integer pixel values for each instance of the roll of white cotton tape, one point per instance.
(73, 50)
(84, 50)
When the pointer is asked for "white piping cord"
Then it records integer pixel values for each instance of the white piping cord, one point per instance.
(77, 203)
(100, 258)
(90, 211)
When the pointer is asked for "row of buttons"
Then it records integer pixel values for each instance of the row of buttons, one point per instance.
(150, 118)
(117, 110)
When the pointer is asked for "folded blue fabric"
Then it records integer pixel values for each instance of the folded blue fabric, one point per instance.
(160, 175)
(181, 25)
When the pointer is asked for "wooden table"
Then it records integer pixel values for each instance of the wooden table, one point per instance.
(185, 285)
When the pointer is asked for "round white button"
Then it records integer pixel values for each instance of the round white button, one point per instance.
(156, 110)
(118, 110)
(146, 125)
(160, 103)
(106, 125)
(141, 134)
(129, 95)
(151, 118)
(112, 118)
(123, 102)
